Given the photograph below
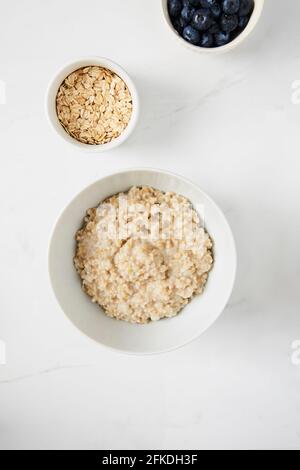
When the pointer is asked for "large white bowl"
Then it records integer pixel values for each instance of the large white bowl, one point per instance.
(156, 337)
(51, 102)
(258, 8)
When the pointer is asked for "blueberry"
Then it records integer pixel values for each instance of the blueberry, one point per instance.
(246, 7)
(243, 21)
(213, 6)
(229, 23)
(205, 3)
(191, 3)
(174, 7)
(216, 10)
(207, 40)
(191, 35)
(202, 19)
(231, 7)
(208, 3)
(178, 24)
(187, 14)
(214, 28)
(222, 38)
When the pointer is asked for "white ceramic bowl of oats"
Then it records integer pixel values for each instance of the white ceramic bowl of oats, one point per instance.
(157, 336)
(93, 104)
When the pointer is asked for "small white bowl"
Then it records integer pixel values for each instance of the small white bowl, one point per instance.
(51, 102)
(155, 337)
(258, 8)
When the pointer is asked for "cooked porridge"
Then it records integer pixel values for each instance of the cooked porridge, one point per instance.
(143, 255)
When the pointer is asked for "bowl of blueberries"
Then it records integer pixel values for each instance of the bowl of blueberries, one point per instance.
(212, 25)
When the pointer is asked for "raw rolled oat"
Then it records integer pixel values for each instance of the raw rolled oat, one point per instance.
(94, 105)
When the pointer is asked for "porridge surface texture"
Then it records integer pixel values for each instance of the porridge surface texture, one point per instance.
(150, 272)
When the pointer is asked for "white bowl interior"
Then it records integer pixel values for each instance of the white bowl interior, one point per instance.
(258, 8)
(57, 81)
(158, 336)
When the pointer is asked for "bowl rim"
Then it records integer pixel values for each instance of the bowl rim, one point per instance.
(52, 90)
(254, 19)
(216, 208)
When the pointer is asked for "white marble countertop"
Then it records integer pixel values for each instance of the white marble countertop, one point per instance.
(231, 124)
